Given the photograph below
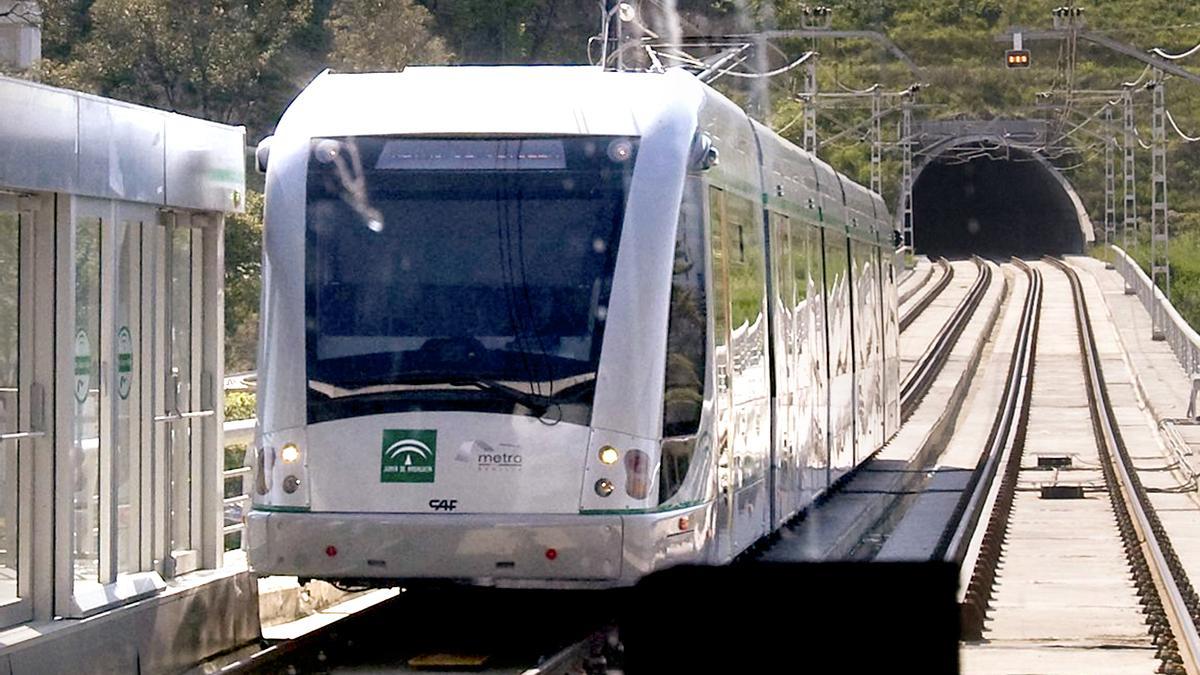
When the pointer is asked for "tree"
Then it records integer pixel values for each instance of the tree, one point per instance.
(205, 59)
(517, 31)
(382, 35)
(65, 26)
(243, 283)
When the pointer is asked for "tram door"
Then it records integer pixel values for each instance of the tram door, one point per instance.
(22, 401)
(724, 420)
(178, 408)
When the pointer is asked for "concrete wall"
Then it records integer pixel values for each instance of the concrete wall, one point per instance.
(165, 634)
(20, 34)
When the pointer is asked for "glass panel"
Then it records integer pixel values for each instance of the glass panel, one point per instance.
(457, 274)
(127, 388)
(686, 330)
(748, 334)
(9, 333)
(837, 294)
(87, 350)
(720, 285)
(781, 247)
(178, 385)
(745, 270)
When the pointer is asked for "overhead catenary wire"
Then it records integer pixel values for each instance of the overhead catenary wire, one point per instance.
(1185, 137)
(770, 73)
(1141, 78)
(1137, 135)
(1174, 57)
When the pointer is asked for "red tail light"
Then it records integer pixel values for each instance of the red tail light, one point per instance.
(637, 474)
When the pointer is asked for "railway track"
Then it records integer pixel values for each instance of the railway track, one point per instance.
(456, 629)
(944, 276)
(1068, 566)
(920, 378)
(912, 282)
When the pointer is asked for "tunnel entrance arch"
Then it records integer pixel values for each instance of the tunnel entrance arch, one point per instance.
(984, 195)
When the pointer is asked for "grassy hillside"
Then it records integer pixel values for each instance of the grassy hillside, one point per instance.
(954, 41)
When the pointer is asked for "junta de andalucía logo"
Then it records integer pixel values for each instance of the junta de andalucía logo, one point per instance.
(409, 456)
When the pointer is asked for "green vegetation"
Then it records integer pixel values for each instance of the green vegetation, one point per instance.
(242, 62)
(239, 405)
(243, 281)
(382, 35)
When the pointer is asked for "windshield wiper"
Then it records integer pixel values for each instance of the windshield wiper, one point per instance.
(535, 402)
(422, 379)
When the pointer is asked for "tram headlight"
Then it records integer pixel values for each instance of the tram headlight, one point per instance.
(290, 453)
(609, 455)
(604, 487)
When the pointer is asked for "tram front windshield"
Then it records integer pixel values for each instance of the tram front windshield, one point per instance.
(460, 274)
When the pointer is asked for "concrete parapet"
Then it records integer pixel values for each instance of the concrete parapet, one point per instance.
(197, 617)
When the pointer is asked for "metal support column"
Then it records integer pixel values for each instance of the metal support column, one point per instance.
(1160, 263)
(906, 168)
(760, 86)
(810, 106)
(876, 141)
(1110, 184)
(1129, 224)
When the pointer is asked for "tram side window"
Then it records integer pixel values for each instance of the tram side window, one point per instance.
(781, 251)
(720, 285)
(745, 262)
(800, 263)
(783, 244)
(687, 326)
(837, 295)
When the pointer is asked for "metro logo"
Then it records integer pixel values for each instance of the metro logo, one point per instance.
(409, 456)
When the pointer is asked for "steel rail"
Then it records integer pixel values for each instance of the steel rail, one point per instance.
(990, 500)
(918, 380)
(325, 646)
(912, 314)
(917, 286)
(1170, 601)
(307, 648)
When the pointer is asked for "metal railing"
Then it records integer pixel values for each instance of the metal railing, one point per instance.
(1167, 322)
(238, 432)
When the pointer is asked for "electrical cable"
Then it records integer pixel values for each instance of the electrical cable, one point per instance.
(1137, 135)
(1185, 137)
(770, 73)
(1139, 80)
(1174, 57)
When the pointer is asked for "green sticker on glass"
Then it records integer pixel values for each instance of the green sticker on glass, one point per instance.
(124, 362)
(83, 366)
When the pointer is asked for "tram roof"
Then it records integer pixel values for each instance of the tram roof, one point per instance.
(544, 100)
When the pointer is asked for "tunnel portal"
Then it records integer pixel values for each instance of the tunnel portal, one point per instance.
(980, 198)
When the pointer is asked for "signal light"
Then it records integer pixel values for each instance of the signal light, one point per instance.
(1017, 58)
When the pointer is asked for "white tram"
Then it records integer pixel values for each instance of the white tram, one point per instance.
(556, 327)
